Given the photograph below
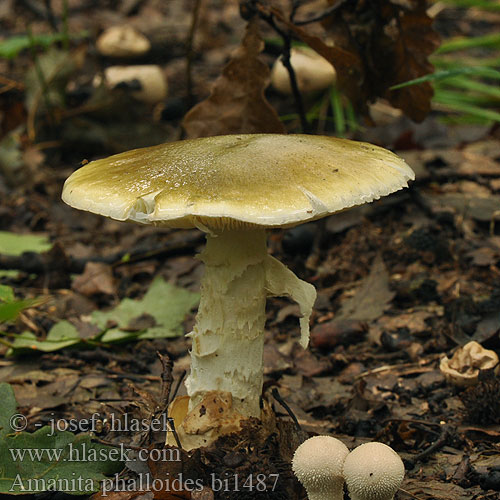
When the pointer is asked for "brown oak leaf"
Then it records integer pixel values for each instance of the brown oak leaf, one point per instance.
(237, 104)
(393, 40)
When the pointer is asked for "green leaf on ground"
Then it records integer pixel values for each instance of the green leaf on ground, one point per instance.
(7, 409)
(15, 244)
(166, 303)
(6, 293)
(10, 310)
(61, 335)
(46, 460)
(159, 314)
(10, 307)
(10, 48)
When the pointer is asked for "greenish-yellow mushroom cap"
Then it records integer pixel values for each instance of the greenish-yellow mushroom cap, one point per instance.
(266, 180)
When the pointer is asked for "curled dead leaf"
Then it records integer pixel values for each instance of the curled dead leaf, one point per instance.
(391, 42)
(468, 361)
(237, 104)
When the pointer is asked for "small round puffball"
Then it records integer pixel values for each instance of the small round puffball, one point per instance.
(373, 471)
(317, 463)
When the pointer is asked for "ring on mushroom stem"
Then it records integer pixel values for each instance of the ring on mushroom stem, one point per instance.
(318, 463)
(234, 188)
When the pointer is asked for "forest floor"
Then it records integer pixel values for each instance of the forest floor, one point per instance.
(402, 282)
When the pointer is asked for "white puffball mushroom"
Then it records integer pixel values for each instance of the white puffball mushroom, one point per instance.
(151, 82)
(122, 41)
(373, 471)
(312, 71)
(317, 463)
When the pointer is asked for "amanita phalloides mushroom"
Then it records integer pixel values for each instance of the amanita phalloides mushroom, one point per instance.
(234, 188)
(318, 463)
(373, 471)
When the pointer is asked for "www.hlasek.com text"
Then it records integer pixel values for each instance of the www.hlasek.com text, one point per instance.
(84, 453)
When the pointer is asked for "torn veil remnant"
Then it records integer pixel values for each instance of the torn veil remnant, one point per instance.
(234, 188)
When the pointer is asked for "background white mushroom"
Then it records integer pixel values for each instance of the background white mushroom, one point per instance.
(312, 71)
(122, 41)
(373, 471)
(149, 79)
(318, 463)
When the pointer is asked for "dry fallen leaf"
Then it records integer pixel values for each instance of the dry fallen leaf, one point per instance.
(393, 40)
(372, 298)
(237, 104)
(96, 278)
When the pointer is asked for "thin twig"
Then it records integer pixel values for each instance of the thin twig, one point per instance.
(65, 27)
(166, 377)
(439, 443)
(10, 84)
(4, 342)
(51, 18)
(190, 53)
(295, 6)
(285, 59)
(281, 401)
(174, 432)
(177, 385)
(44, 91)
(410, 494)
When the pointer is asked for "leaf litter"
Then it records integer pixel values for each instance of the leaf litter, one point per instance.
(404, 283)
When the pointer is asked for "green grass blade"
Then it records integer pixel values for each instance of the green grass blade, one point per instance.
(455, 101)
(491, 5)
(451, 73)
(337, 110)
(480, 87)
(485, 41)
(450, 62)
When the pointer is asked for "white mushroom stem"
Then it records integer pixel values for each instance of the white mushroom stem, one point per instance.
(228, 337)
